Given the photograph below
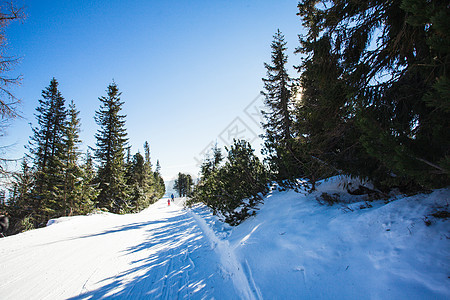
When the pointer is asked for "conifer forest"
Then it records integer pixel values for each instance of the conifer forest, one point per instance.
(370, 99)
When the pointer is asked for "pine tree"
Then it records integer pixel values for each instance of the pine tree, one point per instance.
(278, 112)
(72, 170)
(183, 184)
(148, 162)
(20, 203)
(158, 167)
(211, 164)
(239, 183)
(159, 181)
(391, 59)
(137, 183)
(88, 188)
(110, 151)
(47, 150)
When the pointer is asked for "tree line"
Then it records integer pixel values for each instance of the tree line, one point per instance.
(371, 100)
(183, 185)
(56, 179)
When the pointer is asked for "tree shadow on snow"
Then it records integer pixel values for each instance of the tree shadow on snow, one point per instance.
(174, 262)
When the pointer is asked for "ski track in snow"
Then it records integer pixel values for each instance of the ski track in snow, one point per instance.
(161, 253)
(230, 263)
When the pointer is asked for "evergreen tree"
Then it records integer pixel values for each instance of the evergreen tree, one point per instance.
(47, 150)
(158, 167)
(152, 187)
(88, 187)
(137, 183)
(148, 163)
(233, 189)
(159, 181)
(110, 152)
(19, 205)
(72, 170)
(278, 112)
(211, 164)
(183, 184)
(327, 139)
(391, 60)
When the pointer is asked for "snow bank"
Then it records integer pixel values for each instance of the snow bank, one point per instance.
(296, 248)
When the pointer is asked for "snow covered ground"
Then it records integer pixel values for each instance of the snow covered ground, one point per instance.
(294, 248)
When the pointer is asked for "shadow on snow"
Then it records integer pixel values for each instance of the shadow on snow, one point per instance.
(175, 263)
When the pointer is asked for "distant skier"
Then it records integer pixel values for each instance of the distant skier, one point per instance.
(168, 202)
(171, 197)
(4, 224)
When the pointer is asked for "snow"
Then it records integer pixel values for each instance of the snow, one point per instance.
(294, 248)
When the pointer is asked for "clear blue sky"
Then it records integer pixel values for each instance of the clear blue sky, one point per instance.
(187, 70)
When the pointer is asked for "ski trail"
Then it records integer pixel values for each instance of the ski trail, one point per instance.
(252, 281)
(160, 253)
(228, 260)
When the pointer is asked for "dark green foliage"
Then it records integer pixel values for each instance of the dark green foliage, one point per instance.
(233, 189)
(211, 163)
(160, 185)
(71, 168)
(156, 185)
(47, 150)
(144, 187)
(20, 204)
(183, 184)
(376, 90)
(137, 182)
(86, 191)
(278, 114)
(59, 183)
(110, 152)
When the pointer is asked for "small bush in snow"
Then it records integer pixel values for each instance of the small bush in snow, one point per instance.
(233, 190)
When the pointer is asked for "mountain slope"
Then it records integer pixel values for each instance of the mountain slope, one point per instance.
(160, 253)
(294, 248)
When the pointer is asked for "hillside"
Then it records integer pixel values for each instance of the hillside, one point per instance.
(294, 248)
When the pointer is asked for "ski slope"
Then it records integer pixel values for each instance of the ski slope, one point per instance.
(294, 248)
(160, 253)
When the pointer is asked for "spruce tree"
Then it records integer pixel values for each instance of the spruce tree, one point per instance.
(47, 151)
(110, 152)
(88, 189)
(183, 185)
(159, 181)
(147, 158)
(137, 183)
(239, 183)
(20, 202)
(72, 170)
(278, 112)
(393, 58)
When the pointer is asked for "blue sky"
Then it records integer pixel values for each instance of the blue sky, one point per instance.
(189, 71)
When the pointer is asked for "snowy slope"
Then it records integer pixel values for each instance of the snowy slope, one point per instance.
(294, 248)
(160, 253)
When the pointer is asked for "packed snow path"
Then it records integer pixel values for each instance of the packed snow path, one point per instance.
(160, 253)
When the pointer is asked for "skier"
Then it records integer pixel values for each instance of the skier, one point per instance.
(168, 202)
(171, 197)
